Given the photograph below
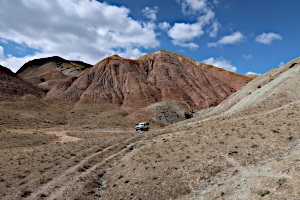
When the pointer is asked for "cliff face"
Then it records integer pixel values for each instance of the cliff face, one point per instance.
(11, 85)
(161, 76)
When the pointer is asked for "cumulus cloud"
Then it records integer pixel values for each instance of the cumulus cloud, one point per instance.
(221, 63)
(190, 45)
(268, 38)
(247, 57)
(229, 39)
(164, 26)
(185, 32)
(150, 13)
(73, 29)
(193, 6)
(252, 73)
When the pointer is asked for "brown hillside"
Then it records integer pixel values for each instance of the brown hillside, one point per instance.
(47, 72)
(11, 85)
(247, 147)
(161, 76)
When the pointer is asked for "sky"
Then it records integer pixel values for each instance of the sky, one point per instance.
(243, 36)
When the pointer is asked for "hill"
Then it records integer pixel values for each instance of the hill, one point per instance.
(46, 72)
(161, 76)
(14, 86)
(247, 147)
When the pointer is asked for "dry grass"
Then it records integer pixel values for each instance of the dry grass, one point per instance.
(13, 139)
(199, 157)
(30, 112)
(28, 166)
(175, 162)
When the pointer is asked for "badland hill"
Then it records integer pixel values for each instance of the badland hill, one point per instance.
(161, 76)
(14, 86)
(161, 87)
(46, 72)
(247, 147)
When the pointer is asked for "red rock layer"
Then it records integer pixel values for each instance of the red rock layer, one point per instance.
(156, 77)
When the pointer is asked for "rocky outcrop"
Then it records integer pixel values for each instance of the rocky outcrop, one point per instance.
(47, 72)
(161, 76)
(11, 85)
(162, 113)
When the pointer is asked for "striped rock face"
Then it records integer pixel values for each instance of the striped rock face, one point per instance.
(161, 76)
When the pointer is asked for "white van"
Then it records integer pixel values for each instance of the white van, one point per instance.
(143, 126)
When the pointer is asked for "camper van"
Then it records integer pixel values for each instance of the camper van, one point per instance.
(143, 126)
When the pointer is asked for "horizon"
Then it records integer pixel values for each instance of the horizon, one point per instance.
(242, 37)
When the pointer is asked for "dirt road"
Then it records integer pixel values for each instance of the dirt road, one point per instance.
(63, 137)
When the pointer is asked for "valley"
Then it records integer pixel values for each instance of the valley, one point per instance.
(238, 138)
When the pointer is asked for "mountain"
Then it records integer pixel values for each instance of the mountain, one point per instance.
(161, 76)
(11, 85)
(47, 72)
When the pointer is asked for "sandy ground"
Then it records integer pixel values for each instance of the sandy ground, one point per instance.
(63, 137)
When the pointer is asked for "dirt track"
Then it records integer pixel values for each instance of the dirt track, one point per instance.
(64, 185)
(63, 137)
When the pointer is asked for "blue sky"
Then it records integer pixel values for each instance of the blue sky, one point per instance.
(238, 35)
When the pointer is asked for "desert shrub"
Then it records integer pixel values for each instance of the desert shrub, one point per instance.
(263, 192)
(281, 181)
(25, 193)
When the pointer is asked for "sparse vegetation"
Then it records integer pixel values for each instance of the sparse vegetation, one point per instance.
(174, 165)
(281, 181)
(263, 192)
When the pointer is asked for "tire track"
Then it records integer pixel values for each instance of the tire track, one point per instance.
(59, 184)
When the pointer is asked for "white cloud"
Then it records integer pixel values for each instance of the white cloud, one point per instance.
(221, 63)
(281, 64)
(185, 32)
(131, 53)
(268, 38)
(247, 57)
(182, 33)
(213, 29)
(252, 73)
(150, 13)
(73, 29)
(229, 39)
(1, 53)
(190, 45)
(164, 26)
(193, 6)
